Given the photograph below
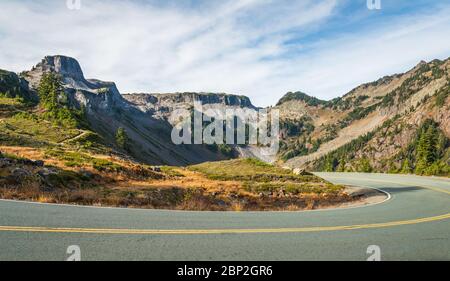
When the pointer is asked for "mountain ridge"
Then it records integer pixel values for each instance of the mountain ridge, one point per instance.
(367, 108)
(310, 128)
(107, 111)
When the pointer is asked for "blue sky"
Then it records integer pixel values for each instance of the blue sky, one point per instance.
(259, 48)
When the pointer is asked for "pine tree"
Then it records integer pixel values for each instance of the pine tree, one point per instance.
(122, 139)
(392, 169)
(54, 100)
(341, 166)
(49, 90)
(406, 167)
(364, 166)
(331, 164)
(441, 145)
(426, 149)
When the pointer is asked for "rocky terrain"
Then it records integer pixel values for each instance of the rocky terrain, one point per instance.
(390, 110)
(374, 123)
(143, 116)
(68, 139)
(160, 106)
(208, 186)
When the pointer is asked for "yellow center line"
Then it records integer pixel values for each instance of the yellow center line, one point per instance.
(221, 231)
(437, 189)
(234, 231)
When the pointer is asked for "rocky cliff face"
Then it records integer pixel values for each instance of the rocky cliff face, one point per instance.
(66, 66)
(90, 93)
(318, 128)
(143, 116)
(161, 105)
(310, 128)
(13, 86)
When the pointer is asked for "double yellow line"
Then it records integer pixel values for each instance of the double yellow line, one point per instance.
(407, 185)
(219, 231)
(229, 231)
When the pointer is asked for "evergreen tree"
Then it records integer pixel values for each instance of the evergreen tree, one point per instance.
(54, 100)
(122, 139)
(406, 167)
(426, 149)
(392, 169)
(441, 145)
(50, 89)
(331, 164)
(364, 166)
(341, 166)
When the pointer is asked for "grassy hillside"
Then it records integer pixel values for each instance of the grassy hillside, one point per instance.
(46, 123)
(50, 154)
(257, 176)
(94, 180)
(361, 130)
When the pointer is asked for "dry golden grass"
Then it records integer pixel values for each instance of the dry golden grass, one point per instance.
(293, 208)
(237, 207)
(45, 199)
(193, 179)
(177, 188)
(25, 152)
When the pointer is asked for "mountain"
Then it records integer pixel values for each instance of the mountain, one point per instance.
(397, 123)
(14, 86)
(300, 96)
(375, 124)
(144, 117)
(161, 106)
(68, 139)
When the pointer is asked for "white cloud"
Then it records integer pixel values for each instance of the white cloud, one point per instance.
(226, 46)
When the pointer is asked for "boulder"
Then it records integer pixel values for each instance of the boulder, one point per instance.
(39, 163)
(45, 172)
(19, 174)
(302, 172)
(87, 174)
(156, 169)
(5, 162)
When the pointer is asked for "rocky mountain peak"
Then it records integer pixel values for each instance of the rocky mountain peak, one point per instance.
(65, 66)
(301, 96)
(68, 68)
(90, 93)
(422, 62)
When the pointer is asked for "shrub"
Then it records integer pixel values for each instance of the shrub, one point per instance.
(105, 165)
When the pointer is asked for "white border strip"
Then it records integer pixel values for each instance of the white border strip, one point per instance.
(388, 197)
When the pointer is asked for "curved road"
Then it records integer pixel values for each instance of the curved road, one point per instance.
(414, 224)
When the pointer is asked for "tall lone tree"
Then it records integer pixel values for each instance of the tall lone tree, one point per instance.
(50, 91)
(122, 139)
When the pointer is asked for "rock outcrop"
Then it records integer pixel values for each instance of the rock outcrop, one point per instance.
(408, 99)
(310, 128)
(143, 116)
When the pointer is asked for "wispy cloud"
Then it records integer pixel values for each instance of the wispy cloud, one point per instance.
(255, 47)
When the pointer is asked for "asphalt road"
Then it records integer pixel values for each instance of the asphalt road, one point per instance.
(414, 224)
